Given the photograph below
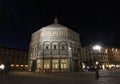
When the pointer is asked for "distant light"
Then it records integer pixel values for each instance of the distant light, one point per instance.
(17, 65)
(106, 50)
(112, 65)
(26, 65)
(12, 65)
(97, 63)
(2, 66)
(21, 65)
(103, 66)
(83, 65)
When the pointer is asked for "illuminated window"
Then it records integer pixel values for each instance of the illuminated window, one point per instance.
(21, 65)
(26, 65)
(12, 65)
(56, 66)
(55, 61)
(63, 66)
(17, 65)
(46, 66)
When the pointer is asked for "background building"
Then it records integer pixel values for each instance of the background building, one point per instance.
(106, 57)
(54, 48)
(114, 57)
(14, 58)
(92, 57)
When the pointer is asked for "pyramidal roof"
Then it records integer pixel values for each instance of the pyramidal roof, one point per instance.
(55, 24)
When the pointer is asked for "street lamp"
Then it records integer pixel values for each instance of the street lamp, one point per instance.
(97, 47)
(97, 63)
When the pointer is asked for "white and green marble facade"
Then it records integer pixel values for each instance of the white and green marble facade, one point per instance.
(54, 48)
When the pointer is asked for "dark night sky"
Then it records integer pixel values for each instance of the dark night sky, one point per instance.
(97, 21)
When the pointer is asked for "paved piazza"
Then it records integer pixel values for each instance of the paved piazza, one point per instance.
(60, 78)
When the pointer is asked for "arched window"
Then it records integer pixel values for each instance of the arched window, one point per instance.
(47, 45)
(54, 45)
(63, 45)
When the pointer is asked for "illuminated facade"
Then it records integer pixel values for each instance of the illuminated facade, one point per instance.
(106, 57)
(14, 58)
(90, 57)
(54, 48)
(114, 57)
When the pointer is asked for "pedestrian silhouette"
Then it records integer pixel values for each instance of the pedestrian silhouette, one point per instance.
(97, 73)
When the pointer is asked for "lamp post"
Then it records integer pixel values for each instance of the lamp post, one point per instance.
(97, 48)
(96, 71)
(70, 55)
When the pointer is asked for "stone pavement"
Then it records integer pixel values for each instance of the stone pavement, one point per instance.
(110, 70)
(59, 78)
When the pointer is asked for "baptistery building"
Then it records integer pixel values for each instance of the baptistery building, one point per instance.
(54, 48)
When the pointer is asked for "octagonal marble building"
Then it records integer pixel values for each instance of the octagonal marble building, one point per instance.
(54, 48)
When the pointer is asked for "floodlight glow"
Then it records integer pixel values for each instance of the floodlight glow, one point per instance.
(97, 47)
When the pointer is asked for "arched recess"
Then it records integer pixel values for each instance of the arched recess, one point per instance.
(74, 48)
(39, 51)
(34, 50)
(31, 49)
(39, 46)
(62, 45)
(55, 45)
(46, 45)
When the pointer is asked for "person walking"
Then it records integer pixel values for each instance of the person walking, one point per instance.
(97, 73)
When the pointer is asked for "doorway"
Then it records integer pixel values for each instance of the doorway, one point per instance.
(33, 67)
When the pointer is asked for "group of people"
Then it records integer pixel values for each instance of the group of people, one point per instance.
(6, 70)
